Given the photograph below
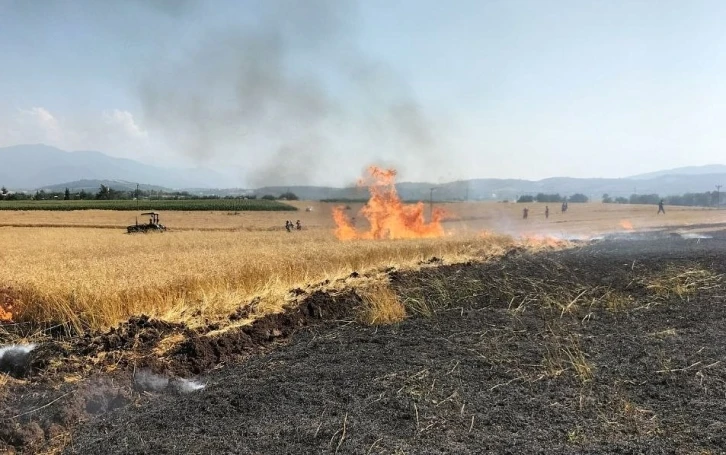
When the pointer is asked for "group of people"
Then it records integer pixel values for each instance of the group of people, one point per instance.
(525, 211)
(289, 225)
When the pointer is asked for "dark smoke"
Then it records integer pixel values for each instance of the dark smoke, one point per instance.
(289, 92)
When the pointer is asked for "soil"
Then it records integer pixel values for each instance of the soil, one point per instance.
(612, 347)
(63, 382)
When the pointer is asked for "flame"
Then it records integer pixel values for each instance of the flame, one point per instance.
(625, 224)
(388, 216)
(6, 305)
(5, 316)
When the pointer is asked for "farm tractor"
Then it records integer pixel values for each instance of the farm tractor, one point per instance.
(153, 225)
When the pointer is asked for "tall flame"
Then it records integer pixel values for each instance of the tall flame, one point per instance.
(388, 216)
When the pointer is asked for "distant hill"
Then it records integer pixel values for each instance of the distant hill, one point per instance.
(38, 166)
(709, 169)
(92, 186)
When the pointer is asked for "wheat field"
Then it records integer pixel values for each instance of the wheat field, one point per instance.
(81, 269)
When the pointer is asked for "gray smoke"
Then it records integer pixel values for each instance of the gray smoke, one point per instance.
(288, 91)
(14, 358)
(147, 381)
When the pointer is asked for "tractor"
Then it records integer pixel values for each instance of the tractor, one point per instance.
(152, 226)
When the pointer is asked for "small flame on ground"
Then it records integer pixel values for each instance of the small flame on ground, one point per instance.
(625, 224)
(388, 216)
(5, 314)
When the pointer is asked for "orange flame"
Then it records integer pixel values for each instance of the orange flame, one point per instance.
(5, 316)
(625, 224)
(6, 305)
(388, 216)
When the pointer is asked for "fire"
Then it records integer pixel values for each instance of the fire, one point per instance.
(5, 314)
(625, 224)
(6, 305)
(388, 216)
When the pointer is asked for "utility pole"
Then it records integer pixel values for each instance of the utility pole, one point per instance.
(718, 196)
(137, 197)
(431, 204)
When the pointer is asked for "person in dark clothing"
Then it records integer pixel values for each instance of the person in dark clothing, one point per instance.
(298, 225)
(525, 212)
(660, 208)
(547, 211)
(288, 225)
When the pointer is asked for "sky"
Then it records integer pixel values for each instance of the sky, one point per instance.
(312, 91)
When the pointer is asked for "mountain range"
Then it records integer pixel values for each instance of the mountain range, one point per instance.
(38, 166)
(31, 167)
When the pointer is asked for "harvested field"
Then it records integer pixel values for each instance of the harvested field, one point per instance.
(79, 269)
(464, 217)
(613, 347)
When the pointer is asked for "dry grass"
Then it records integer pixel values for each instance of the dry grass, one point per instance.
(97, 277)
(466, 217)
(565, 354)
(682, 282)
(381, 305)
(212, 262)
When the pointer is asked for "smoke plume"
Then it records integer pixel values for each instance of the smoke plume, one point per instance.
(286, 89)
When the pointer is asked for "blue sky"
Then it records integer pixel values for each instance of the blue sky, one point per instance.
(442, 90)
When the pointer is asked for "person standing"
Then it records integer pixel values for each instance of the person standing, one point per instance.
(660, 208)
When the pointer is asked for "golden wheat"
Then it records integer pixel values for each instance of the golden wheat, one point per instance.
(90, 277)
(381, 305)
(94, 278)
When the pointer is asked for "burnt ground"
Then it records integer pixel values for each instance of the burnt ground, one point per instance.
(614, 347)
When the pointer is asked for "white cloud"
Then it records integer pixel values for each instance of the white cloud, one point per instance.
(38, 121)
(125, 121)
(113, 131)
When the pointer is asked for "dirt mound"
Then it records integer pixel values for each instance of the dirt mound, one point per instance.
(201, 353)
(62, 383)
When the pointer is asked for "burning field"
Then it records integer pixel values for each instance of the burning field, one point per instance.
(393, 333)
(613, 347)
(387, 216)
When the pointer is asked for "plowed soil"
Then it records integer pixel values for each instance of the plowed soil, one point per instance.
(614, 347)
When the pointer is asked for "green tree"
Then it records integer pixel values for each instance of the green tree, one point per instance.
(4, 191)
(104, 193)
(578, 197)
(607, 199)
(289, 196)
(67, 195)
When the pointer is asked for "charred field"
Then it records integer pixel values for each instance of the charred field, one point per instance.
(615, 346)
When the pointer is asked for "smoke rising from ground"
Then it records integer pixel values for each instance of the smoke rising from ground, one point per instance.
(285, 89)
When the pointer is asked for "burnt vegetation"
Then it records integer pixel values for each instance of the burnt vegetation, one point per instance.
(614, 347)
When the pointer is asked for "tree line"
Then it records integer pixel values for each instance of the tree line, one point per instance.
(706, 199)
(555, 197)
(106, 193)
